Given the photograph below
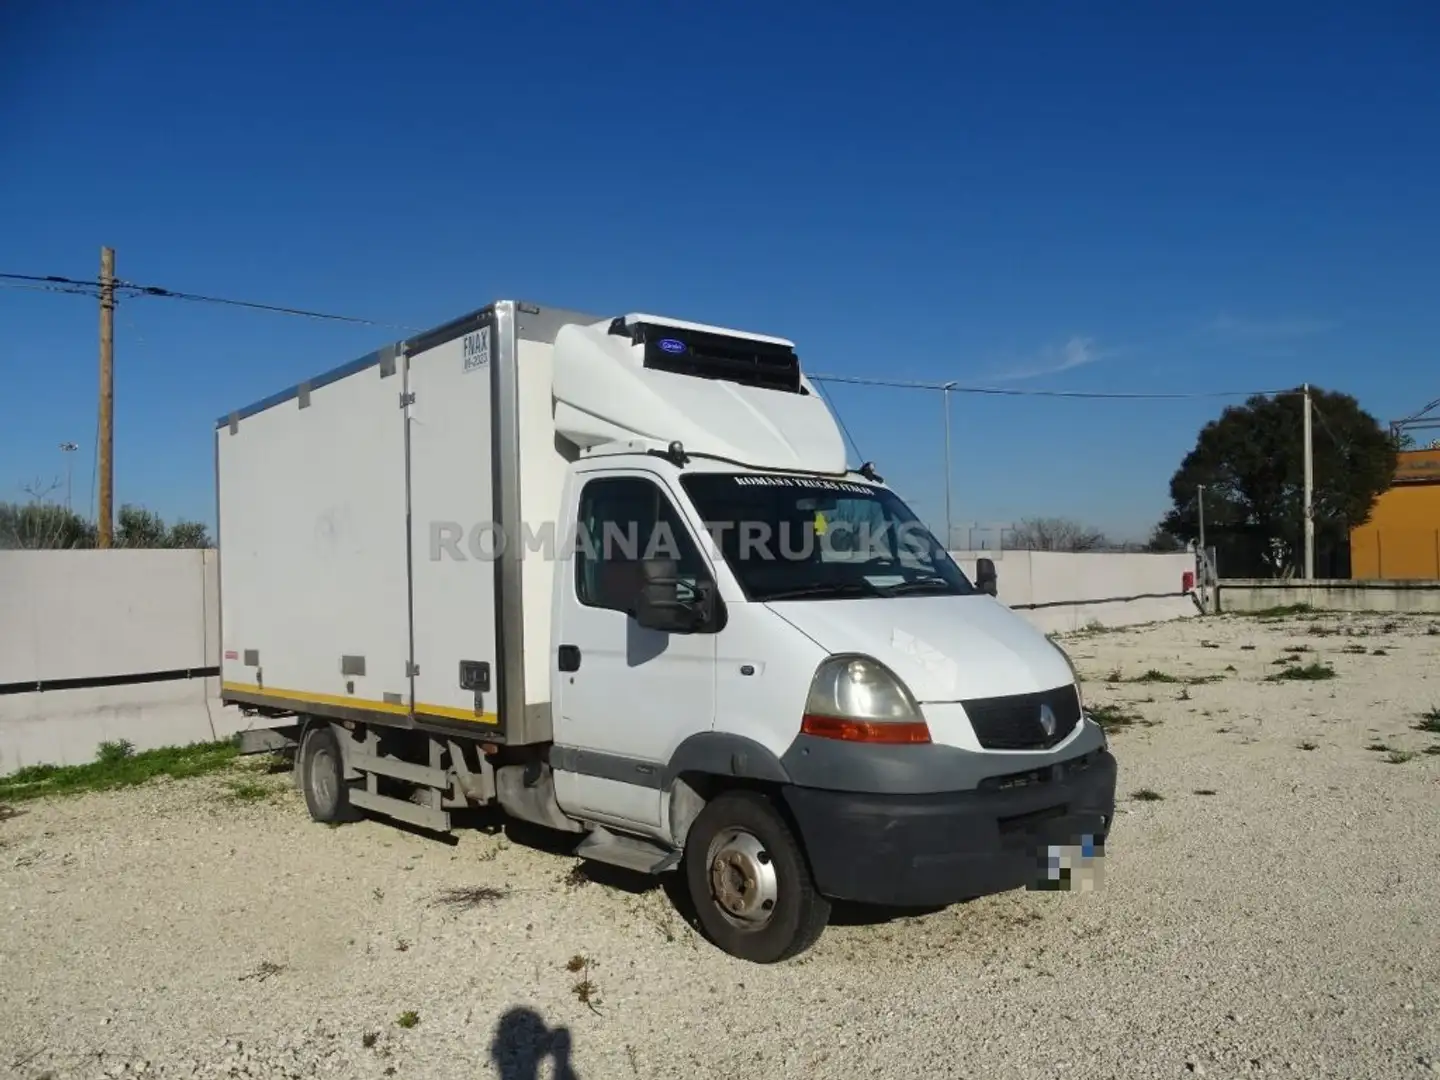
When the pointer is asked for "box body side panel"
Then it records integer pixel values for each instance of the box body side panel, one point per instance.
(313, 567)
(453, 538)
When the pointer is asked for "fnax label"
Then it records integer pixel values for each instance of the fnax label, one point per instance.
(476, 349)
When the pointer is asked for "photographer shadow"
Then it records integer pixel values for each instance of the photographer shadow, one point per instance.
(523, 1041)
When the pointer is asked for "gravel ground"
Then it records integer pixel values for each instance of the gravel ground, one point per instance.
(1274, 912)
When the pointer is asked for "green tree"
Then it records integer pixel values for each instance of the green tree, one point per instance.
(38, 525)
(42, 524)
(1251, 463)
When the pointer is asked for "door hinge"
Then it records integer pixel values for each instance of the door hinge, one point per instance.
(407, 399)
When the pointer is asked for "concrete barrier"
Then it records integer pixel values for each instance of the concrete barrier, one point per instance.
(1065, 591)
(1260, 594)
(98, 646)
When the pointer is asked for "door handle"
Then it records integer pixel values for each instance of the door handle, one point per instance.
(569, 658)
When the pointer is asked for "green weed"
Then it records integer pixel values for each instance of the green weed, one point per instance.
(120, 768)
(1112, 717)
(1309, 673)
(1429, 721)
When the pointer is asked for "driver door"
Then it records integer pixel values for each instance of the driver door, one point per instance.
(625, 696)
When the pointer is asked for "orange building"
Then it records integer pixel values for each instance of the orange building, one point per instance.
(1402, 538)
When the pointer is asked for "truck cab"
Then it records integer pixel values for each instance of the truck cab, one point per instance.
(730, 655)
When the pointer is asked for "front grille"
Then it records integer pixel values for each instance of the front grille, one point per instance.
(1014, 723)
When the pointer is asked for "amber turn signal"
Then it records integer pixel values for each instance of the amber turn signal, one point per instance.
(866, 731)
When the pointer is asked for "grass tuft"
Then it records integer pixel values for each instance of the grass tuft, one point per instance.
(119, 768)
(113, 753)
(1307, 745)
(247, 790)
(1154, 676)
(1112, 717)
(584, 989)
(1429, 721)
(1280, 612)
(1309, 673)
(1146, 795)
(469, 896)
(408, 1019)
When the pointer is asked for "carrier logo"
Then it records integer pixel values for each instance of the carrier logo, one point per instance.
(670, 345)
(1048, 723)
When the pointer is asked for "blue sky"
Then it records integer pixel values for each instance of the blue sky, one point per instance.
(1133, 197)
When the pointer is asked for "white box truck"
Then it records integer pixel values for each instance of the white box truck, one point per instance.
(614, 575)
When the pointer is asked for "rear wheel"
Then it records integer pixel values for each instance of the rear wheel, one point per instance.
(322, 777)
(749, 881)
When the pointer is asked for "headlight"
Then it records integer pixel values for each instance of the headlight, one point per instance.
(1074, 672)
(858, 699)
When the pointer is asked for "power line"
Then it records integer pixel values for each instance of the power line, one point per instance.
(57, 283)
(91, 292)
(835, 411)
(1016, 392)
(252, 305)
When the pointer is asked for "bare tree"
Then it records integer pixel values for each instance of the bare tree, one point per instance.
(1056, 534)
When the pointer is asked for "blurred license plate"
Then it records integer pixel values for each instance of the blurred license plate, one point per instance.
(1077, 867)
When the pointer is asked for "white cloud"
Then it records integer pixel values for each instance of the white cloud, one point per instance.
(1077, 352)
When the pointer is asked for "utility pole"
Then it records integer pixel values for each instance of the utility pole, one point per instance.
(68, 448)
(949, 526)
(106, 445)
(1309, 493)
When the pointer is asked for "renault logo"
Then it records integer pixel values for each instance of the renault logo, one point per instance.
(1048, 723)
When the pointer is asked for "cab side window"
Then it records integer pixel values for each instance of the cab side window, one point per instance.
(622, 521)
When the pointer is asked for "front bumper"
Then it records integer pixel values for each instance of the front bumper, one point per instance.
(935, 849)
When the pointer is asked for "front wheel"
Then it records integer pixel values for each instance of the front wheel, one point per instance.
(749, 881)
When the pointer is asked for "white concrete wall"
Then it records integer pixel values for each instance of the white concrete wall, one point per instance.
(1259, 594)
(88, 614)
(1062, 591)
(83, 614)
(78, 614)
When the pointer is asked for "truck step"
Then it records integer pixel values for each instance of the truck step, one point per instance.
(424, 816)
(400, 770)
(642, 856)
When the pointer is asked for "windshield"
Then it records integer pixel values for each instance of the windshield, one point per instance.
(801, 537)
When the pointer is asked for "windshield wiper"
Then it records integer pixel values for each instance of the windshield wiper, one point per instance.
(919, 585)
(826, 588)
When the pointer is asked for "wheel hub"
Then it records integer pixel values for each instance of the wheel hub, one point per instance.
(320, 777)
(742, 878)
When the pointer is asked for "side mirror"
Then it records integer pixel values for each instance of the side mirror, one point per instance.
(659, 607)
(986, 580)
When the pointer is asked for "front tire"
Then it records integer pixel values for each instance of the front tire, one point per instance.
(749, 880)
(322, 777)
